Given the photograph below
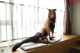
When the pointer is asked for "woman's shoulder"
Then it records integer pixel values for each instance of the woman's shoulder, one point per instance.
(47, 20)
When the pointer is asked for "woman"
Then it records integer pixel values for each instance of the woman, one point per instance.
(44, 32)
(50, 23)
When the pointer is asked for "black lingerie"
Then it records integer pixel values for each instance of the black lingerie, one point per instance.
(52, 26)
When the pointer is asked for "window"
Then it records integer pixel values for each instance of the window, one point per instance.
(23, 18)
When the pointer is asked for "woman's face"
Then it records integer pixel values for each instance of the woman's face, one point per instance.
(51, 15)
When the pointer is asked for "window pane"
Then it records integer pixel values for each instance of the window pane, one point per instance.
(32, 2)
(59, 23)
(8, 13)
(29, 18)
(15, 31)
(9, 32)
(3, 32)
(29, 22)
(60, 5)
(24, 20)
(26, 2)
(36, 19)
(32, 21)
(43, 15)
(18, 1)
(46, 3)
(17, 22)
(2, 12)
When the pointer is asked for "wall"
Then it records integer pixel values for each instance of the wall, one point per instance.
(75, 17)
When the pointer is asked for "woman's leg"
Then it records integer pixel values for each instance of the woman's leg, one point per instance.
(51, 35)
(31, 39)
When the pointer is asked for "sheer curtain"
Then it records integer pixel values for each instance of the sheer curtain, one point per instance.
(23, 18)
(5, 21)
(60, 6)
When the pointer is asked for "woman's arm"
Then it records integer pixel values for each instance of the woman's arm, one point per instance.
(47, 27)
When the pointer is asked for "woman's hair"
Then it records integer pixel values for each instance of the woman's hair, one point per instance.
(54, 11)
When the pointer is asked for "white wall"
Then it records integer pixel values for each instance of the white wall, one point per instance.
(75, 17)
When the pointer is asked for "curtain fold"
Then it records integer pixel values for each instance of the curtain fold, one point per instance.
(68, 19)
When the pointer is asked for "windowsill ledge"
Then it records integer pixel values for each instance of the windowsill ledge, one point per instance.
(38, 45)
(64, 38)
(11, 43)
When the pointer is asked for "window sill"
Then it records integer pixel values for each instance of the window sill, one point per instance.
(9, 43)
(31, 45)
(41, 45)
(37, 46)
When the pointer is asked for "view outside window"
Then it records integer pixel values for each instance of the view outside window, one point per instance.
(23, 18)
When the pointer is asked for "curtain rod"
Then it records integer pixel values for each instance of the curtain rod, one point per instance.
(24, 5)
(11, 3)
